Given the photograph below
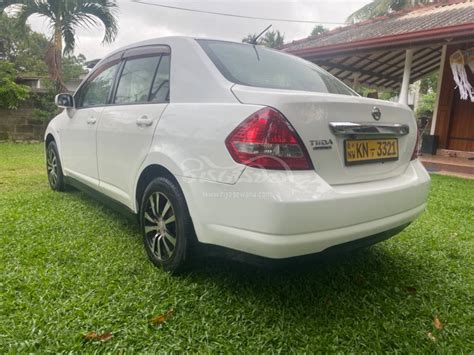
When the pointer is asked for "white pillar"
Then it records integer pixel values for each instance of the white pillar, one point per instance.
(406, 77)
(438, 90)
(355, 81)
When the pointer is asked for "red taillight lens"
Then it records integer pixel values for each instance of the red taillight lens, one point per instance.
(266, 140)
(415, 150)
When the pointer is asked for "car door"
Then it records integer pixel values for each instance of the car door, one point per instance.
(79, 148)
(127, 126)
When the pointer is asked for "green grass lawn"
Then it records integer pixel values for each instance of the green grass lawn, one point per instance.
(69, 266)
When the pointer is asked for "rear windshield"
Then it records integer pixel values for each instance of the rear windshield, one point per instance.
(258, 66)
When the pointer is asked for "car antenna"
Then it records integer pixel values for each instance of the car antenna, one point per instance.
(254, 41)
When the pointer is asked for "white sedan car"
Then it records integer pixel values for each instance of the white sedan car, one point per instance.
(239, 146)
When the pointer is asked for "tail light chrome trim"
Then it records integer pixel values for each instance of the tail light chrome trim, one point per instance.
(368, 128)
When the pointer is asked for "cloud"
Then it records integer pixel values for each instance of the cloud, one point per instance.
(139, 22)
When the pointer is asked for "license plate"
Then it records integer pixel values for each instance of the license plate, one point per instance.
(363, 151)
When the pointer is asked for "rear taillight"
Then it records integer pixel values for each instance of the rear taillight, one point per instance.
(415, 150)
(266, 140)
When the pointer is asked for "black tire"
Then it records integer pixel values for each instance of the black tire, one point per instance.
(54, 168)
(158, 233)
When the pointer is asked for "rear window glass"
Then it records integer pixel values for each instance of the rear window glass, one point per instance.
(258, 66)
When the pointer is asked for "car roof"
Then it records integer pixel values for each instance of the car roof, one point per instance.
(186, 53)
(168, 40)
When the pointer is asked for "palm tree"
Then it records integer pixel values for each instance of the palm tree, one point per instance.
(272, 39)
(65, 17)
(382, 7)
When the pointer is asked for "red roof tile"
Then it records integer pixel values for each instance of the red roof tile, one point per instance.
(421, 18)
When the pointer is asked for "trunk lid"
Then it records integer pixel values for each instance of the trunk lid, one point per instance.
(311, 114)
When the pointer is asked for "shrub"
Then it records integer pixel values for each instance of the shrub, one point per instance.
(11, 93)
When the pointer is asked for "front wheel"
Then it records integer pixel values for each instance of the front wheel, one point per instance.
(54, 168)
(166, 225)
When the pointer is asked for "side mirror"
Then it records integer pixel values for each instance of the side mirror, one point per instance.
(64, 100)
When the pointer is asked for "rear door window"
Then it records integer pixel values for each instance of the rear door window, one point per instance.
(160, 90)
(136, 80)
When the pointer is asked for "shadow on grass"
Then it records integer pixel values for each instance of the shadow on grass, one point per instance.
(362, 283)
(112, 214)
(359, 267)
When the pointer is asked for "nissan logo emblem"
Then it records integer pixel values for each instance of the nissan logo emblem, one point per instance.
(376, 114)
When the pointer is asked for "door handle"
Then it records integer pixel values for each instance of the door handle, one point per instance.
(91, 120)
(144, 121)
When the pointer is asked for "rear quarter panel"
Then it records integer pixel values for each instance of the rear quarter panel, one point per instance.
(189, 141)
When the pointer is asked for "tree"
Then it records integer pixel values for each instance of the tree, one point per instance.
(318, 29)
(271, 39)
(429, 83)
(65, 17)
(382, 7)
(26, 50)
(11, 93)
(428, 87)
(23, 47)
(73, 66)
(251, 38)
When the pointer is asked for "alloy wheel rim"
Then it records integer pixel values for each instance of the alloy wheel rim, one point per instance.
(160, 226)
(52, 166)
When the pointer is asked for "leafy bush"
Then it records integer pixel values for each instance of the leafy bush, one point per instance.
(44, 107)
(11, 93)
(426, 105)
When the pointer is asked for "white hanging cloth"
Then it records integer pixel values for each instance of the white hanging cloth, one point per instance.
(458, 61)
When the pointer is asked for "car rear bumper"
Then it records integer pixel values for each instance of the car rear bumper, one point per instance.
(285, 246)
(285, 214)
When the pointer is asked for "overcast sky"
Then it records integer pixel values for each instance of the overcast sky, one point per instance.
(138, 21)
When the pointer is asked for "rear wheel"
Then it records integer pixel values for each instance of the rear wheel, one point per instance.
(166, 225)
(54, 168)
